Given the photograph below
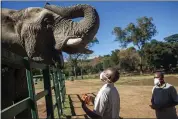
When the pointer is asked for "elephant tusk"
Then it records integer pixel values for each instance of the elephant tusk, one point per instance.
(73, 41)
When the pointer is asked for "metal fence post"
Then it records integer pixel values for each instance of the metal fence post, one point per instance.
(62, 86)
(48, 97)
(15, 61)
(57, 92)
(31, 88)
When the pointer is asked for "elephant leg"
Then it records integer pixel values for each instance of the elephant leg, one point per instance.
(21, 92)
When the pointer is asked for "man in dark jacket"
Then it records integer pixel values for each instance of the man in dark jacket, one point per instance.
(164, 98)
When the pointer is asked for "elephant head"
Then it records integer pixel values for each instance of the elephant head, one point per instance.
(72, 37)
(29, 32)
(43, 33)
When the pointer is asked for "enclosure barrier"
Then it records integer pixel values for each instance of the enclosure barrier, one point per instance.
(12, 60)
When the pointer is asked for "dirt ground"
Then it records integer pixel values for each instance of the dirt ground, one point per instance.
(135, 96)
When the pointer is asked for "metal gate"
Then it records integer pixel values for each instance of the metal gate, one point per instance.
(13, 60)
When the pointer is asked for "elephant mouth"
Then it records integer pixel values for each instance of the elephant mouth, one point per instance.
(71, 41)
(50, 59)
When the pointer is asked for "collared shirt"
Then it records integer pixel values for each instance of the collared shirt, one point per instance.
(107, 102)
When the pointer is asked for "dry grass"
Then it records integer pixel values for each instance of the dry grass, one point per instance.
(135, 94)
(135, 99)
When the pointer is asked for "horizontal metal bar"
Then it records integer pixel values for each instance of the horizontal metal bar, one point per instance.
(11, 59)
(41, 94)
(38, 76)
(37, 65)
(10, 112)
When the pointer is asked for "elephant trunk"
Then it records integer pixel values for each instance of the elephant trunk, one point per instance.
(85, 28)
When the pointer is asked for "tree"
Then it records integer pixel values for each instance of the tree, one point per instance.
(172, 38)
(106, 61)
(115, 57)
(138, 34)
(160, 54)
(99, 67)
(173, 41)
(74, 59)
(129, 59)
(95, 61)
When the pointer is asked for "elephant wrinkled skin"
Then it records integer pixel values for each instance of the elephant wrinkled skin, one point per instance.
(43, 33)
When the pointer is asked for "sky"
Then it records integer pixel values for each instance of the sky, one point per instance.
(118, 14)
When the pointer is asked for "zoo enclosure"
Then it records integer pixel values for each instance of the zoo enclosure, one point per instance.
(48, 73)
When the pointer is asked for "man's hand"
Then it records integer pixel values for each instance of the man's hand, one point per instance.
(155, 108)
(152, 107)
(87, 99)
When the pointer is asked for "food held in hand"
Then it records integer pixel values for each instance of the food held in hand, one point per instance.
(86, 99)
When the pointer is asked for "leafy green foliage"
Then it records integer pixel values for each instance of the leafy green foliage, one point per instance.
(75, 60)
(138, 34)
(173, 41)
(129, 59)
(115, 57)
(172, 38)
(161, 54)
(151, 55)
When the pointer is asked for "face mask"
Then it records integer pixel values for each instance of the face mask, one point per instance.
(104, 78)
(156, 81)
(101, 76)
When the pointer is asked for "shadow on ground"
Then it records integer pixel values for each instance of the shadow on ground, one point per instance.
(75, 105)
(77, 111)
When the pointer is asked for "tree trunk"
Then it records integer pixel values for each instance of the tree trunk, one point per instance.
(81, 72)
(141, 68)
(75, 72)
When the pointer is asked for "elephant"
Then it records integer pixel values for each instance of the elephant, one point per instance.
(79, 34)
(42, 34)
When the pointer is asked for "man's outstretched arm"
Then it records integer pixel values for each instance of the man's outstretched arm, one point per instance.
(89, 112)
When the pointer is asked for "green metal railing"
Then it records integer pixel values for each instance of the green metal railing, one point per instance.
(13, 60)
